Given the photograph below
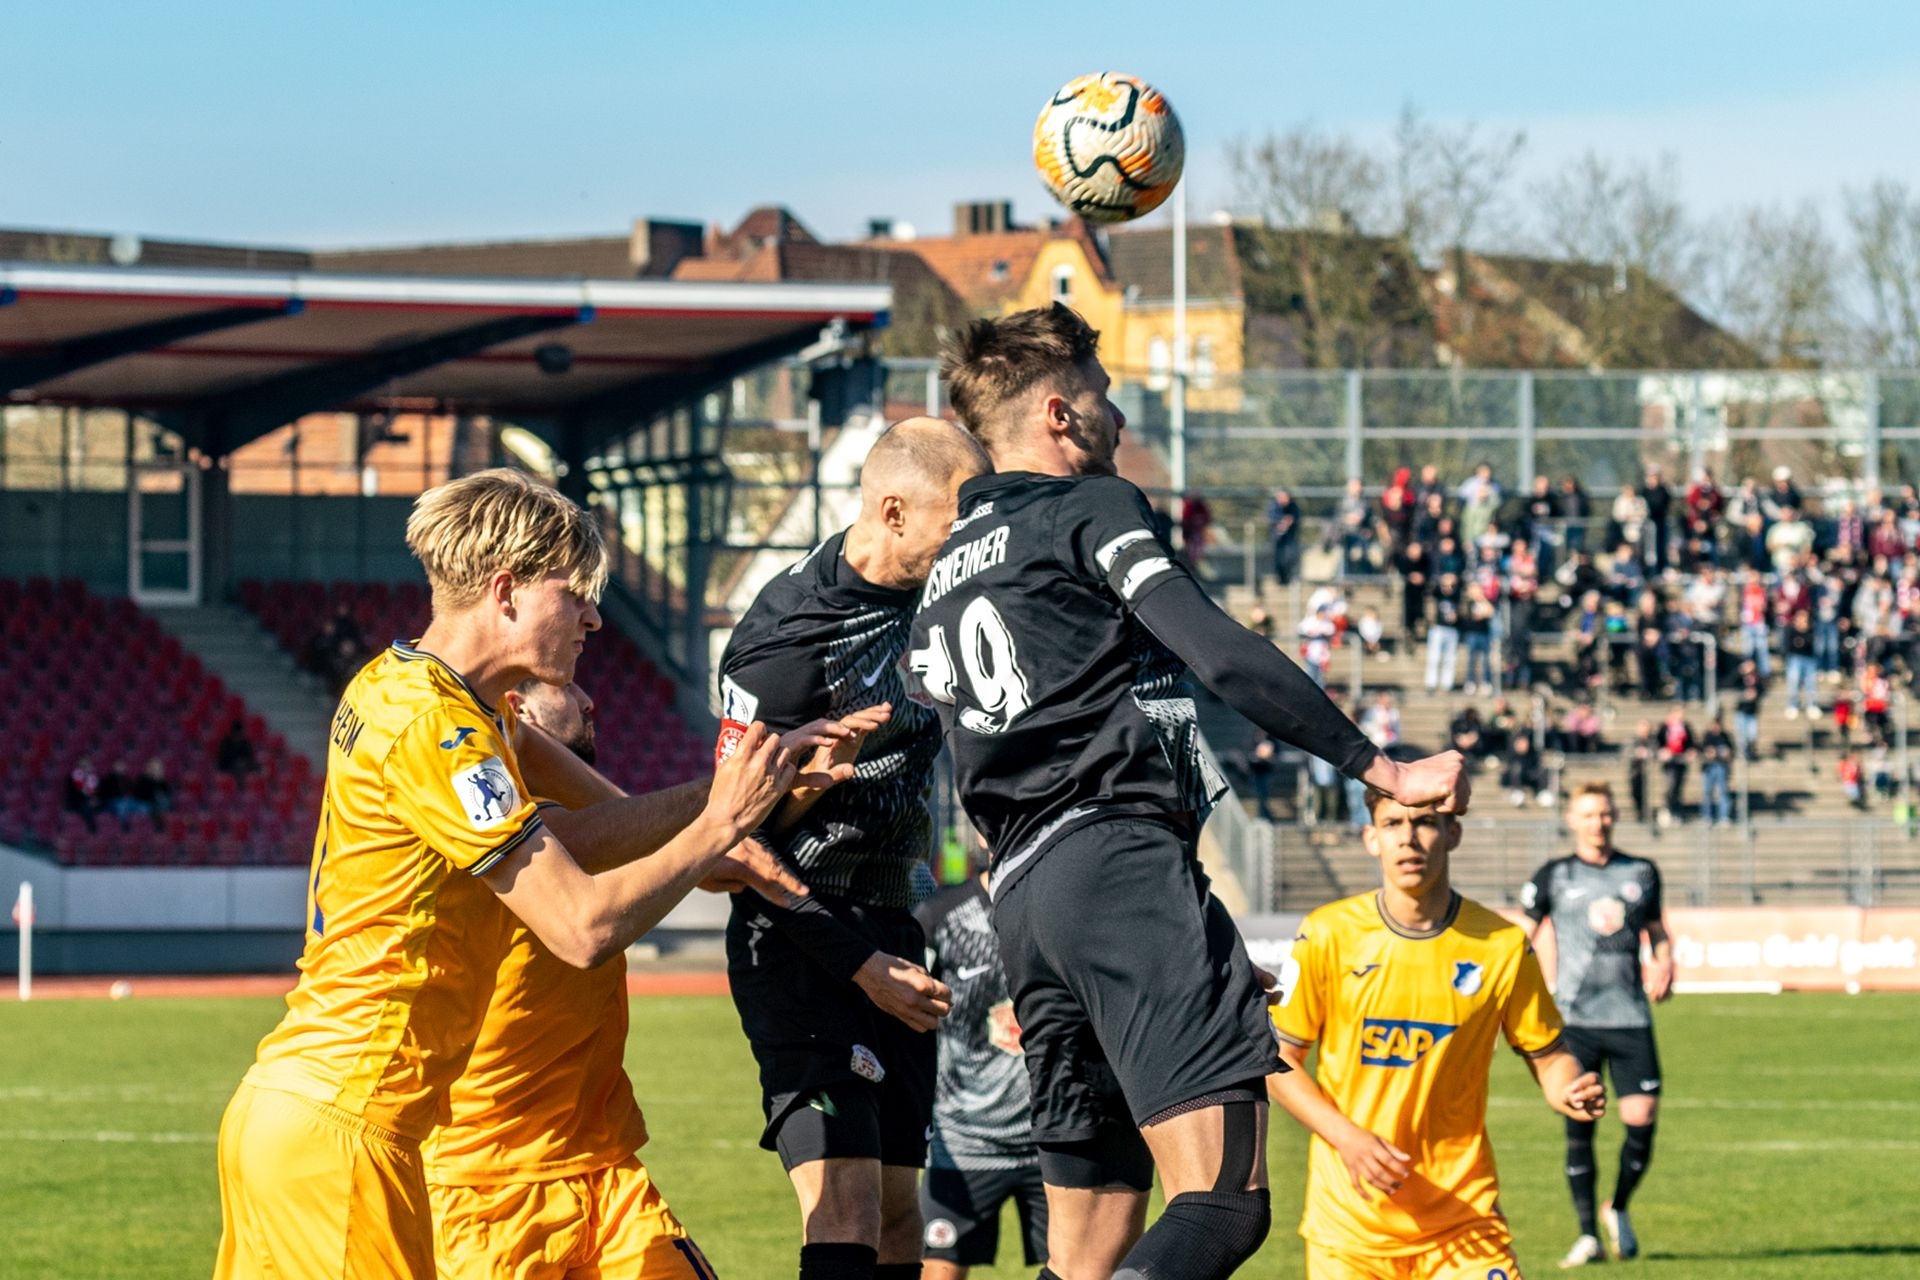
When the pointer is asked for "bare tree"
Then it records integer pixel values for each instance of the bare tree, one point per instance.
(1451, 184)
(1772, 276)
(1886, 226)
(1625, 254)
(1324, 287)
(1307, 178)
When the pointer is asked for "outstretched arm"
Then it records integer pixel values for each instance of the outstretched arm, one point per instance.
(586, 919)
(1264, 685)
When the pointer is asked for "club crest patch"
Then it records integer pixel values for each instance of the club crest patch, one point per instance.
(942, 1234)
(1003, 1028)
(487, 793)
(866, 1064)
(1467, 977)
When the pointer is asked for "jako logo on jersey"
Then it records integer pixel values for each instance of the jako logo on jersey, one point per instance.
(1395, 1042)
(1466, 977)
(488, 793)
(1363, 970)
(460, 735)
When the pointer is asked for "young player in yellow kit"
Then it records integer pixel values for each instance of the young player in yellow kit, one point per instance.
(534, 1174)
(1405, 989)
(425, 828)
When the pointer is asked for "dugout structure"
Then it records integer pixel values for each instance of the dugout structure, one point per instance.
(170, 431)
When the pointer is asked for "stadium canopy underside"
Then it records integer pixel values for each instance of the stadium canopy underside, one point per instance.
(222, 357)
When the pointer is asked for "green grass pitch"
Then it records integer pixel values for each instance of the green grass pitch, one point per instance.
(1789, 1140)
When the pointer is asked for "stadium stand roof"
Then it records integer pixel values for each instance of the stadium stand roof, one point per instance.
(227, 355)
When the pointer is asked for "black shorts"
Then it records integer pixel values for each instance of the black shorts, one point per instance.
(838, 1078)
(961, 1208)
(1131, 985)
(1628, 1053)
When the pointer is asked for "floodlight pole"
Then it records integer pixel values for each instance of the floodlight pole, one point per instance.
(1177, 448)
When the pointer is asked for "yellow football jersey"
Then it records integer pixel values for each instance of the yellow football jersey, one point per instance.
(1406, 1028)
(423, 794)
(545, 1094)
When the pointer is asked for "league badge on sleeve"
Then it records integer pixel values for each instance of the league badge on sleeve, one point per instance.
(737, 710)
(487, 792)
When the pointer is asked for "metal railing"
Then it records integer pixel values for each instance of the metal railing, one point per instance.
(1865, 863)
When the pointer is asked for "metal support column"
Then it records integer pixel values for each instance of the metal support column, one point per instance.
(1523, 412)
(1177, 418)
(1870, 406)
(1356, 459)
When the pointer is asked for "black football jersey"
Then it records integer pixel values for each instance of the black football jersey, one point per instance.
(1598, 914)
(982, 1112)
(820, 640)
(1060, 708)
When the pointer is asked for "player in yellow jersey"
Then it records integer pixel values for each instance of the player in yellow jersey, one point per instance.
(426, 826)
(534, 1174)
(1404, 990)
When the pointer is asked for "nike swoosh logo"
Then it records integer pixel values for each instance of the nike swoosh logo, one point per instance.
(972, 972)
(869, 679)
(460, 735)
(1364, 970)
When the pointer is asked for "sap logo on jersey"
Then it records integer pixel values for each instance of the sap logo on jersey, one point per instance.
(1396, 1042)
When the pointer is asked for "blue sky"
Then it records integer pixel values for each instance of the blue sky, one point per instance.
(356, 123)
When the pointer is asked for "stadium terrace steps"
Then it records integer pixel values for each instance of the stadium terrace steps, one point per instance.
(252, 663)
(643, 742)
(1808, 845)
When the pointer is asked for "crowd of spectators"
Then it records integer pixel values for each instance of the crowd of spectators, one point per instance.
(119, 793)
(1697, 594)
(125, 795)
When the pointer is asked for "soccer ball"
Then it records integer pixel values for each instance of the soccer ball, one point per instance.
(1109, 147)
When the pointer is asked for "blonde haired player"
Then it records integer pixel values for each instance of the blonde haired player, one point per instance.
(535, 1174)
(426, 821)
(1405, 989)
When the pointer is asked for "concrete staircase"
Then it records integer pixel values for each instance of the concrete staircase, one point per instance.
(253, 665)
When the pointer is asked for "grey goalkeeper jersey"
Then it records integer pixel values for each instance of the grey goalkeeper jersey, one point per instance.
(1598, 913)
(982, 1116)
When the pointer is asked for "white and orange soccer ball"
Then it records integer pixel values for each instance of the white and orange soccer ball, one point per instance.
(1109, 147)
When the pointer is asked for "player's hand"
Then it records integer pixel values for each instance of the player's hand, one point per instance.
(905, 990)
(751, 865)
(1660, 981)
(1372, 1161)
(1443, 781)
(838, 747)
(750, 782)
(1269, 983)
(1584, 1098)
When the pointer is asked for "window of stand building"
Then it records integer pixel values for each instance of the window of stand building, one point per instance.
(1159, 364)
(1063, 284)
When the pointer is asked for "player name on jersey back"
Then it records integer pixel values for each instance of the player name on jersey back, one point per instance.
(1060, 707)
